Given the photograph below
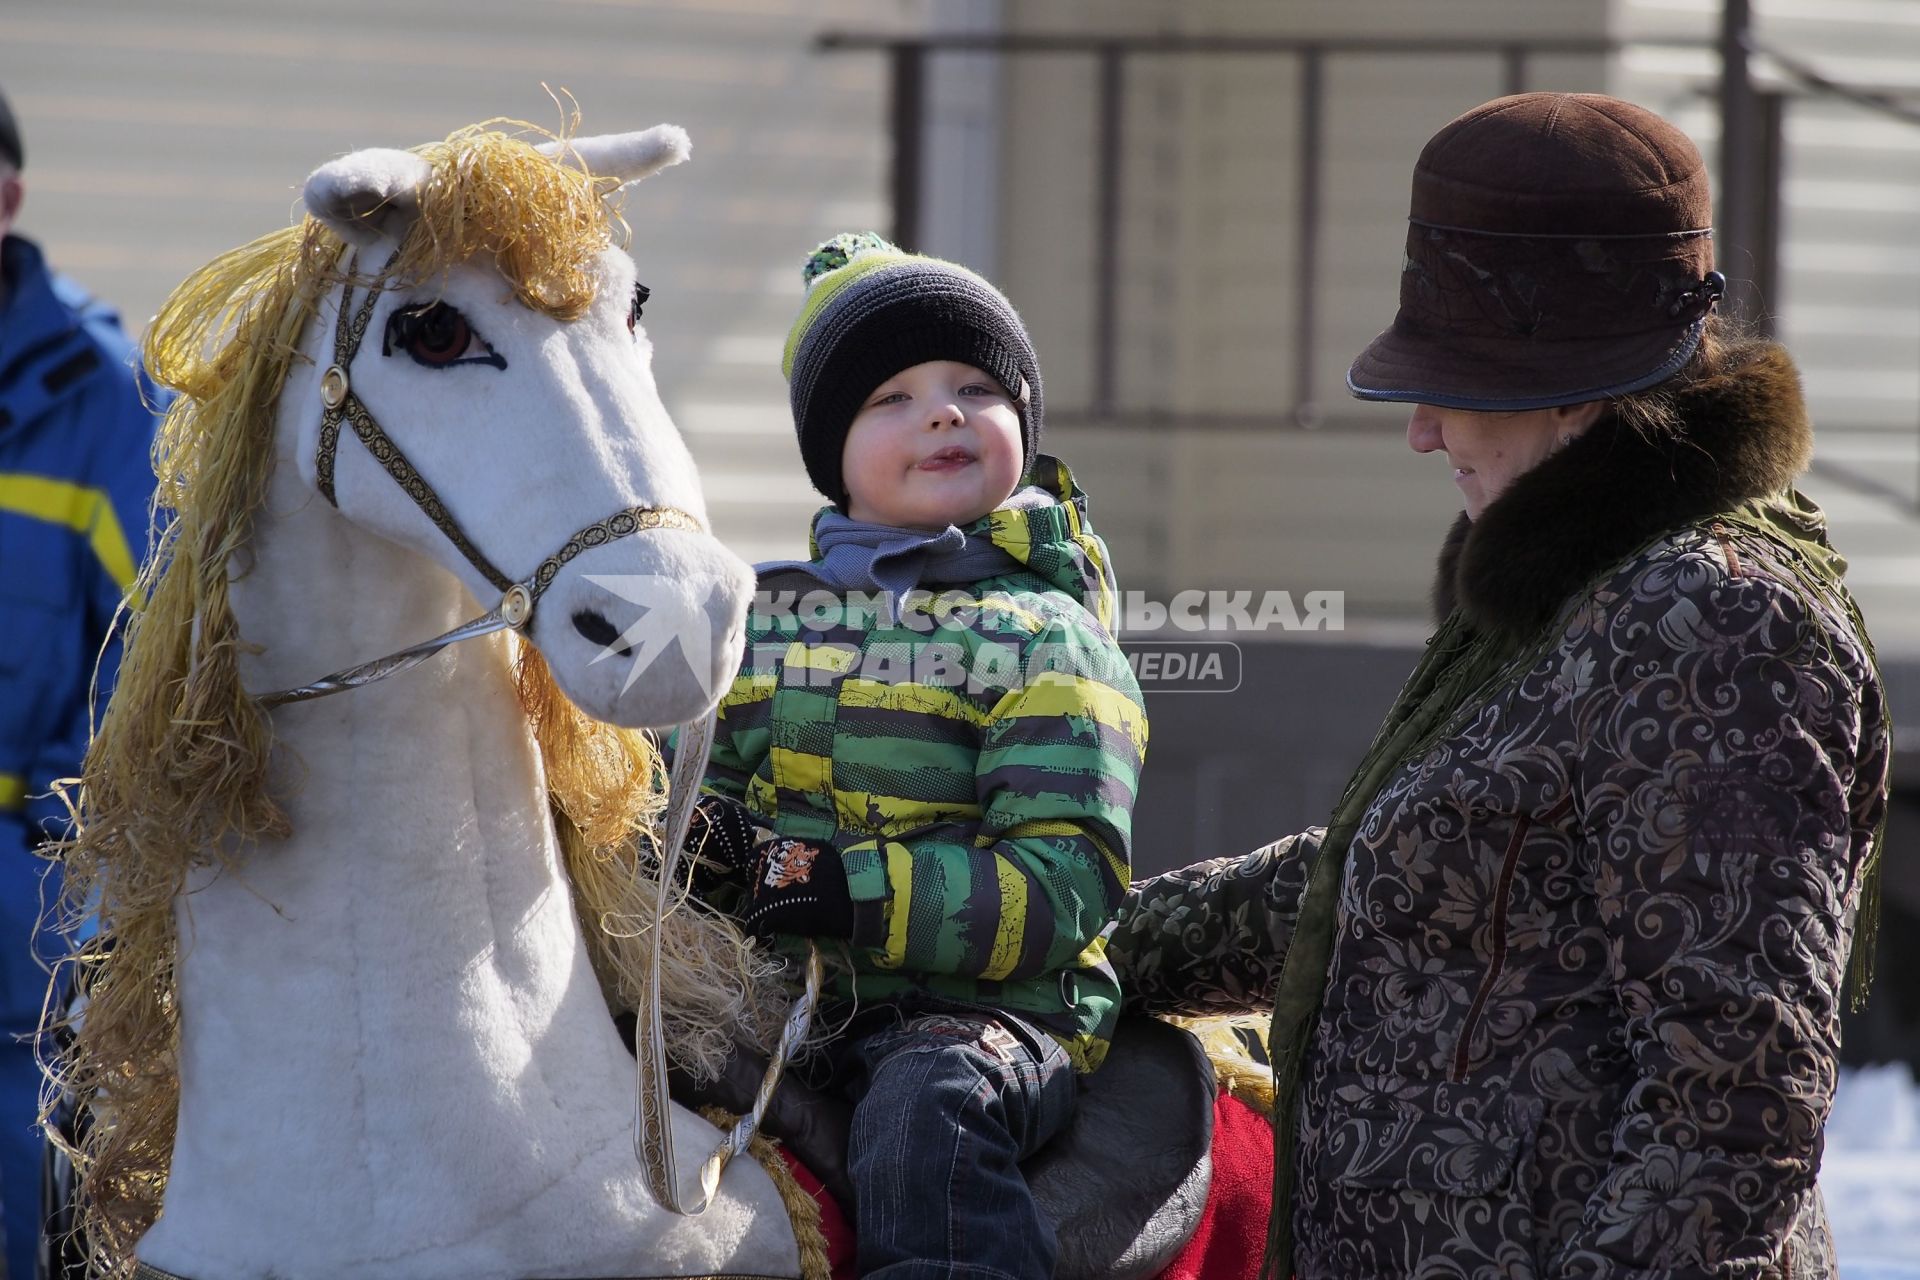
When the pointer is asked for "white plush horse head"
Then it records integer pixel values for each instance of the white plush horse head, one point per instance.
(533, 427)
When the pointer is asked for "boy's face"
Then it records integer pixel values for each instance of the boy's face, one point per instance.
(934, 445)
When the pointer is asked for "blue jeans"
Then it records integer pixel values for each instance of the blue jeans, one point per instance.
(946, 1105)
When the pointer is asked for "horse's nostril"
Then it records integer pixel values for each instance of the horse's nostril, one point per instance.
(595, 627)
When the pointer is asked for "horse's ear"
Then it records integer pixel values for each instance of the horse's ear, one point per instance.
(625, 157)
(369, 195)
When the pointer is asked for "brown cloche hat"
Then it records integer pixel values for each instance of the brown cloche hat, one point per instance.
(1559, 250)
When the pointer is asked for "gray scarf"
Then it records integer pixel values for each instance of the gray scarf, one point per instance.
(859, 556)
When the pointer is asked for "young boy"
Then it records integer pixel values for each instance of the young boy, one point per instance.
(929, 759)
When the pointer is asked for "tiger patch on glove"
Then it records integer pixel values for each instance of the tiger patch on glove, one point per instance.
(800, 888)
(789, 862)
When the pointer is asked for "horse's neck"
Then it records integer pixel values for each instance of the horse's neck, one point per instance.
(426, 786)
(393, 1006)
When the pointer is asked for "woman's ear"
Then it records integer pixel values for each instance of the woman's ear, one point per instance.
(1574, 419)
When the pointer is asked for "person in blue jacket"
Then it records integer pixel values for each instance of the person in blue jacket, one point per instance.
(76, 478)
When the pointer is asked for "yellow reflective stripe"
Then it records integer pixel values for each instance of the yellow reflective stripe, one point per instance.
(899, 904)
(923, 699)
(1061, 693)
(837, 658)
(801, 770)
(1122, 873)
(77, 507)
(13, 792)
(1013, 918)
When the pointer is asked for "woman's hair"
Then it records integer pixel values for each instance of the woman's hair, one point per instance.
(1658, 412)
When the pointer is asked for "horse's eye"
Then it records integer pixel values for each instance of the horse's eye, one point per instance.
(640, 295)
(437, 336)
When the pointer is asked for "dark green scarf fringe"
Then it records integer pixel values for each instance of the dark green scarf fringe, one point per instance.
(1866, 920)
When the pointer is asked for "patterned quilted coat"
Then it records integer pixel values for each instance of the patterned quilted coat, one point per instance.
(1584, 956)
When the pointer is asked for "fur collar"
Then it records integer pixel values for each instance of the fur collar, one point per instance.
(1610, 492)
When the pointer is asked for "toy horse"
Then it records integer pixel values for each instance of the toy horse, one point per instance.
(348, 1010)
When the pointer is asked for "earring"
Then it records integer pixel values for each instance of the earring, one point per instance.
(1565, 441)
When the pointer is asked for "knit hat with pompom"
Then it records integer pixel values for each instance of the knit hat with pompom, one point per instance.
(871, 311)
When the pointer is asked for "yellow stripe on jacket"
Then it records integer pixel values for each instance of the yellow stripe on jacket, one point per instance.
(1059, 693)
(85, 510)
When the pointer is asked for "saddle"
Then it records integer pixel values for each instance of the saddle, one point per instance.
(1125, 1184)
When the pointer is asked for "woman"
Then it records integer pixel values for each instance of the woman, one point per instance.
(1557, 990)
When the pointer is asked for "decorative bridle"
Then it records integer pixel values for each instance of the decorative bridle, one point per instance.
(518, 600)
(652, 1136)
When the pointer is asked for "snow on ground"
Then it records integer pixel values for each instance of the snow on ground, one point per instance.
(1870, 1175)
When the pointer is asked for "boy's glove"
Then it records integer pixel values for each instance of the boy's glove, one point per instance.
(799, 888)
(721, 839)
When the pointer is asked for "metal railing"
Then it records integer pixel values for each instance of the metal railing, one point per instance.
(908, 58)
(1812, 85)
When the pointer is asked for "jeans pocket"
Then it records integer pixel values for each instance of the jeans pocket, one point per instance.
(1046, 1079)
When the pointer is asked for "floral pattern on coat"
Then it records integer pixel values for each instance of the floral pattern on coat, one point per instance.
(1582, 1012)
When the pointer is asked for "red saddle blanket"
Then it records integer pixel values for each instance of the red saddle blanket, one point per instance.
(1233, 1228)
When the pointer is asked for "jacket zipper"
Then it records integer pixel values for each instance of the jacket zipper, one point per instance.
(1503, 890)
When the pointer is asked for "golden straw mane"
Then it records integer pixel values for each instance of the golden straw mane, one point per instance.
(177, 776)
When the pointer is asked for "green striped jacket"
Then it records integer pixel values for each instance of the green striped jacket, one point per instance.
(973, 759)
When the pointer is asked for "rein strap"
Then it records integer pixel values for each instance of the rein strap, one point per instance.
(652, 1109)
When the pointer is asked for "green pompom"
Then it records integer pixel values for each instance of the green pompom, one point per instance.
(839, 251)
